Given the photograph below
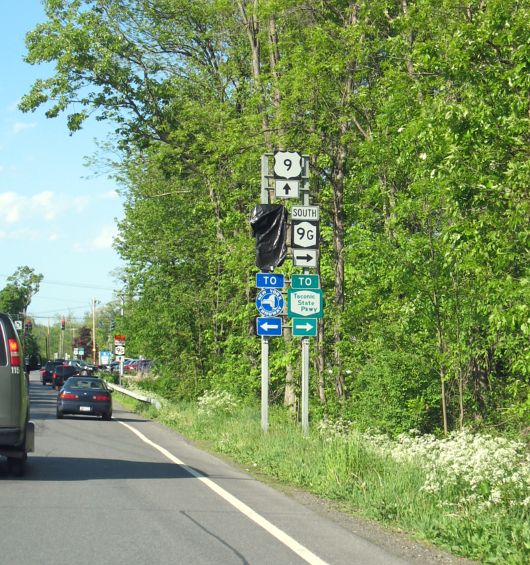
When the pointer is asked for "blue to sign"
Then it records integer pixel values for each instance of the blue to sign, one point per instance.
(269, 302)
(269, 280)
(269, 326)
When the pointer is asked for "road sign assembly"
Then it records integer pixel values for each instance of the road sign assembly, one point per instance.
(269, 226)
(304, 303)
(269, 326)
(270, 280)
(269, 302)
(119, 340)
(288, 179)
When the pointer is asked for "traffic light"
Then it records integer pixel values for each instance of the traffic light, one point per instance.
(62, 324)
(269, 226)
(112, 325)
(29, 326)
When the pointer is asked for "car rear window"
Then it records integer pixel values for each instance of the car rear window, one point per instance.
(85, 383)
(3, 350)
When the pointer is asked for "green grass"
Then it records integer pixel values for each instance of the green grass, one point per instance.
(366, 483)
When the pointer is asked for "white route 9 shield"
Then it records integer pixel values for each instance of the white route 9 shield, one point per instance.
(287, 165)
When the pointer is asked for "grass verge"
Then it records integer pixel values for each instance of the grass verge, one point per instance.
(366, 481)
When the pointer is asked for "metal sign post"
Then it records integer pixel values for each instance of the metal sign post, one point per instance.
(265, 199)
(264, 383)
(305, 340)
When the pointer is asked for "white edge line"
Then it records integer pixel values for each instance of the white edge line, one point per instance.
(280, 535)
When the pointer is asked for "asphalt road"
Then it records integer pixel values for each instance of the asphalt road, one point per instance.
(130, 491)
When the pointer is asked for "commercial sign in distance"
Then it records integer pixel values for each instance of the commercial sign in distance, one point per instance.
(119, 340)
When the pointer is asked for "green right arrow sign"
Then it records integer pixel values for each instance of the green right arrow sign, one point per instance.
(304, 327)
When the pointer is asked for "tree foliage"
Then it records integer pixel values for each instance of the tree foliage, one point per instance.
(416, 116)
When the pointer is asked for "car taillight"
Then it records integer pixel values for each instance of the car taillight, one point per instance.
(100, 397)
(68, 396)
(14, 352)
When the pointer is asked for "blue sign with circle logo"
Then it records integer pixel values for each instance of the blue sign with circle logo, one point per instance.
(269, 302)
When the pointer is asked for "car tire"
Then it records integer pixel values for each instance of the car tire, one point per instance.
(60, 415)
(16, 466)
(107, 416)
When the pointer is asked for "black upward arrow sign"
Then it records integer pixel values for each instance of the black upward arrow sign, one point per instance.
(287, 188)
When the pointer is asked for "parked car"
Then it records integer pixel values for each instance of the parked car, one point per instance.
(114, 367)
(84, 395)
(17, 433)
(131, 366)
(145, 366)
(82, 366)
(46, 373)
(61, 373)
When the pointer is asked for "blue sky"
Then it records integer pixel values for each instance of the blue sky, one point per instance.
(57, 216)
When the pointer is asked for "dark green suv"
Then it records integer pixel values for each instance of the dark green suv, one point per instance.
(17, 433)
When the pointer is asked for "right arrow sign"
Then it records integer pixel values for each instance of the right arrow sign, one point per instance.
(305, 257)
(303, 327)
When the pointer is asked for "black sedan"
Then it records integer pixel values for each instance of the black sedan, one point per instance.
(84, 395)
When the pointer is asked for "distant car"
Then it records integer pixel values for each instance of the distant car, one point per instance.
(114, 367)
(82, 366)
(131, 366)
(84, 395)
(46, 373)
(145, 366)
(61, 373)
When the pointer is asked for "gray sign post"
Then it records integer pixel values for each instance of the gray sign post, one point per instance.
(265, 199)
(305, 340)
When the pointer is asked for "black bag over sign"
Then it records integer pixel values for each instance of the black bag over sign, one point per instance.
(269, 226)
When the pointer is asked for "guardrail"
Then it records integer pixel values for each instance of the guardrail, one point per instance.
(135, 395)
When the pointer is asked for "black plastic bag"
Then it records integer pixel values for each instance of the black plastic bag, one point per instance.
(269, 226)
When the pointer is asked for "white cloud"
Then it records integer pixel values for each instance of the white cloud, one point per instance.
(105, 238)
(102, 240)
(20, 234)
(110, 195)
(46, 205)
(21, 126)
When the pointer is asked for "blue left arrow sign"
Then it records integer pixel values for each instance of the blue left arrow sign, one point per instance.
(269, 326)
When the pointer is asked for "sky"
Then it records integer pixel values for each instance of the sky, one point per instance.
(57, 215)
